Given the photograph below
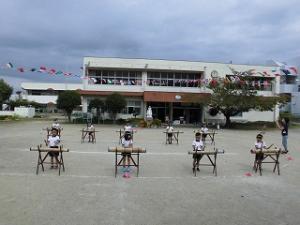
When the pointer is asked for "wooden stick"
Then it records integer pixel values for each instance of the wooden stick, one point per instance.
(127, 150)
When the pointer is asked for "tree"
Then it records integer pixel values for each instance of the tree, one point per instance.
(68, 101)
(114, 104)
(231, 98)
(5, 92)
(97, 104)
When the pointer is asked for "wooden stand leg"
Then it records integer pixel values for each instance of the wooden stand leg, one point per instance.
(277, 164)
(259, 167)
(215, 164)
(38, 163)
(116, 164)
(138, 164)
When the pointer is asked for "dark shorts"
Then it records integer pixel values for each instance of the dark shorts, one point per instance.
(197, 156)
(126, 154)
(54, 154)
(259, 156)
(170, 135)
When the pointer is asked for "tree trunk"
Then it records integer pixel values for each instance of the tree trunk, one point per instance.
(228, 121)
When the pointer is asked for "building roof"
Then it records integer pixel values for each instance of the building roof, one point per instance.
(172, 65)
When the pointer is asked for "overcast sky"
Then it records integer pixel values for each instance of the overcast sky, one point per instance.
(59, 33)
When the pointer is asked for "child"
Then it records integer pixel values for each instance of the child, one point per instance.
(53, 142)
(169, 131)
(126, 143)
(91, 133)
(57, 126)
(127, 127)
(204, 131)
(259, 145)
(197, 146)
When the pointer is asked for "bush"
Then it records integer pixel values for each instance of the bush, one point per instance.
(142, 123)
(135, 121)
(156, 122)
(121, 121)
(8, 118)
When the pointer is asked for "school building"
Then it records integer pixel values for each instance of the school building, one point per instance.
(170, 87)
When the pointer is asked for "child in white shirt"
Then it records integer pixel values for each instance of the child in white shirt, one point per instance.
(127, 128)
(57, 126)
(91, 133)
(259, 145)
(53, 142)
(127, 143)
(169, 131)
(204, 131)
(197, 146)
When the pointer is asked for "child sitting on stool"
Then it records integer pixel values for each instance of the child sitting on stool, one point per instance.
(197, 146)
(169, 131)
(53, 142)
(259, 145)
(91, 130)
(57, 126)
(204, 131)
(126, 143)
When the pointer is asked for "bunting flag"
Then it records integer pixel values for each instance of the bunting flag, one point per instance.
(9, 65)
(41, 69)
(67, 74)
(287, 69)
(21, 70)
(52, 71)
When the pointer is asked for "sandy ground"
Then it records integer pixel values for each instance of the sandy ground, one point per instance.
(166, 192)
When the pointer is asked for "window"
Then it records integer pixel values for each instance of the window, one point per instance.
(172, 79)
(118, 77)
(133, 107)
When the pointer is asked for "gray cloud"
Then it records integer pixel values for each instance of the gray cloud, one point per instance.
(59, 33)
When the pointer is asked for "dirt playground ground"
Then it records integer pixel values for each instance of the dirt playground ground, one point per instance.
(166, 192)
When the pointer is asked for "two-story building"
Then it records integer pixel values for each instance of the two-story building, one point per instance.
(169, 86)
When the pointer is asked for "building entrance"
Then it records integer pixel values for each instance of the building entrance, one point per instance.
(192, 113)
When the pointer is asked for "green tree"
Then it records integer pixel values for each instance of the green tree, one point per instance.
(97, 104)
(68, 101)
(114, 104)
(5, 92)
(232, 98)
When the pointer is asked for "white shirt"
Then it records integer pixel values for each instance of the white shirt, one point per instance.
(128, 128)
(197, 145)
(260, 145)
(126, 143)
(56, 125)
(170, 129)
(53, 141)
(204, 129)
(91, 128)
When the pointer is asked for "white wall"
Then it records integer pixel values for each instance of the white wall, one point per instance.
(24, 112)
(251, 116)
(7, 113)
(42, 99)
